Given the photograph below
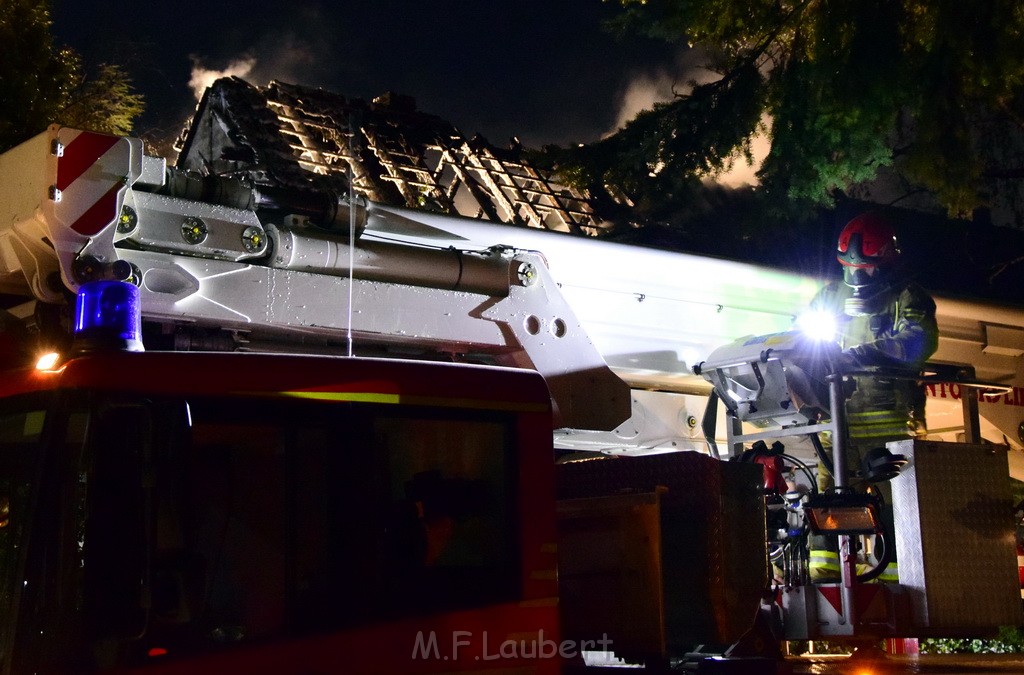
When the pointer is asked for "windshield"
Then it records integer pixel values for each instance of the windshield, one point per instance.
(20, 431)
(354, 511)
(169, 526)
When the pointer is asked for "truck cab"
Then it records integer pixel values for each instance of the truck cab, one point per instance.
(269, 513)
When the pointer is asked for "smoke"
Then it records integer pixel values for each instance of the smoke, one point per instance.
(298, 53)
(203, 77)
(646, 90)
(291, 57)
(641, 94)
(741, 173)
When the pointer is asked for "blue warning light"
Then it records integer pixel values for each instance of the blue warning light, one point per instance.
(108, 315)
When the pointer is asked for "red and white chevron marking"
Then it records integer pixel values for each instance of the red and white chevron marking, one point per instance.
(90, 173)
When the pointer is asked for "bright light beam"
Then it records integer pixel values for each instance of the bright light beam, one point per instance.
(818, 325)
(47, 361)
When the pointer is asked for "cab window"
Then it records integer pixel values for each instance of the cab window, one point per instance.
(270, 519)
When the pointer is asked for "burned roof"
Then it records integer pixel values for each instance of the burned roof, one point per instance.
(302, 137)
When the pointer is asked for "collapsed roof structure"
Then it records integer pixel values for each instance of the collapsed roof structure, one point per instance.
(301, 137)
(294, 136)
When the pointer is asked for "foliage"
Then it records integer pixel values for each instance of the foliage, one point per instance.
(104, 102)
(41, 83)
(840, 88)
(1009, 641)
(34, 77)
(806, 647)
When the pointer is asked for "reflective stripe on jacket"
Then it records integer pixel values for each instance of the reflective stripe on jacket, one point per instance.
(901, 332)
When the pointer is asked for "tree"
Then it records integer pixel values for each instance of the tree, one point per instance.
(103, 102)
(41, 83)
(840, 87)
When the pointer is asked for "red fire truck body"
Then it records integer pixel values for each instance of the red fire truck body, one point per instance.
(384, 516)
(247, 495)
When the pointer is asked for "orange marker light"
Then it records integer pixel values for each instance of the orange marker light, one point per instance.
(47, 361)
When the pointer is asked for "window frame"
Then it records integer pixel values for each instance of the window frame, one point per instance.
(168, 419)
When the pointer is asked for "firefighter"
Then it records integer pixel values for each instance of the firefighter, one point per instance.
(883, 320)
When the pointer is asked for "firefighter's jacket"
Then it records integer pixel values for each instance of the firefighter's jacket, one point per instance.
(901, 332)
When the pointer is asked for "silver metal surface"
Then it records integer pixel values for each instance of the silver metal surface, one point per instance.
(161, 218)
(533, 327)
(955, 538)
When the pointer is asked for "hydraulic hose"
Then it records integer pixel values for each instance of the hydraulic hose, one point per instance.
(883, 560)
(823, 457)
(806, 471)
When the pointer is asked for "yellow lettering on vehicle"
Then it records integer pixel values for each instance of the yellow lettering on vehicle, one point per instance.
(395, 399)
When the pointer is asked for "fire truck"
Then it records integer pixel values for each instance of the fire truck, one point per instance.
(245, 427)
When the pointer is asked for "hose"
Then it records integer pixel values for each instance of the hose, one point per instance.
(813, 484)
(883, 560)
(823, 457)
(881, 542)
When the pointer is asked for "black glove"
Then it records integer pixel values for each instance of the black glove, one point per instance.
(846, 361)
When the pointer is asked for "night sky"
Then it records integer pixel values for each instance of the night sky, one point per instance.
(546, 72)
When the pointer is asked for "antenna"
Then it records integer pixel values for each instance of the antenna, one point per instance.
(352, 129)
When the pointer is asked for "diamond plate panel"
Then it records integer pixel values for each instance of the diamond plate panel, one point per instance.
(712, 536)
(955, 538)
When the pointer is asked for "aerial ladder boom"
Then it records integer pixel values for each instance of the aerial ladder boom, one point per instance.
(653, 314)
(224, 265)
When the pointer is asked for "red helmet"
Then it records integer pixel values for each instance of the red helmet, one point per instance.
(867, 241)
